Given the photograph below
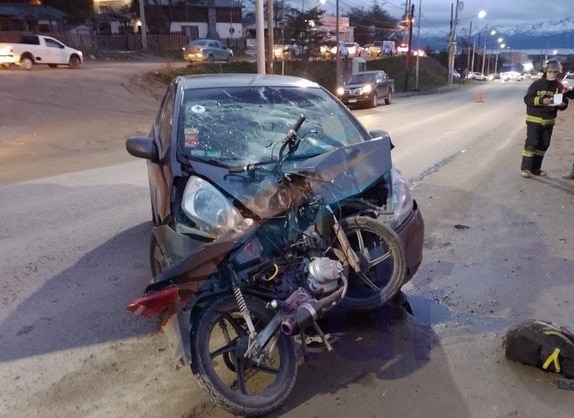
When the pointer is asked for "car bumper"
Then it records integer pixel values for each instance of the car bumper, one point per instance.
(412, 234)
(194, 57)
(355, 100)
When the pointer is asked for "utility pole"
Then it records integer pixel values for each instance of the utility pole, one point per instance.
(338, 58)
(409, 52)
(452, 41)
(143, 25)
(259, 36)
(271, 43)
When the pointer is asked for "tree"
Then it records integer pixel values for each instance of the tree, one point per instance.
(372, 24)
(77, 11)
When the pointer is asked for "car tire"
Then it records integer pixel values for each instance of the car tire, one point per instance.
(27, 63)
(374, 100)
(389, 98)
(53, 65)
(74, 62)
(229, 58)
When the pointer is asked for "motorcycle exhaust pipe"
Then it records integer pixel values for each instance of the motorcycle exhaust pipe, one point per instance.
(308, 312)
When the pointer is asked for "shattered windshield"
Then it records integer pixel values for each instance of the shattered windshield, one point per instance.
(237, 126)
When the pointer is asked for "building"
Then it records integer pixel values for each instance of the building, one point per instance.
(30, 16)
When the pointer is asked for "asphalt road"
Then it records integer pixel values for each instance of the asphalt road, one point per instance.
(499, 249)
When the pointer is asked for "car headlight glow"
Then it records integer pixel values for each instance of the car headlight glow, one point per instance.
(340, 91)
(401, 198)
(208, 208)
(367, 89)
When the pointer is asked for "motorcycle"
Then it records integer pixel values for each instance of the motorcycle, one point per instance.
(314, 234)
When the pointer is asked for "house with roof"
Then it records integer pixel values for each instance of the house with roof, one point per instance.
(30, 16)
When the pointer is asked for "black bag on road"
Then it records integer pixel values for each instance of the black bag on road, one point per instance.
(543, 345)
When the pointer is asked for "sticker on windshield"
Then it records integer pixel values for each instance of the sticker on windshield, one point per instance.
(198, 109)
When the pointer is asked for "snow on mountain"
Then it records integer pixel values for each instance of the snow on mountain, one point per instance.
(538, 35)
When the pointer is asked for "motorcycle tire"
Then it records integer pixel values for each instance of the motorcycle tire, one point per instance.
(241, 386)
(383, 264)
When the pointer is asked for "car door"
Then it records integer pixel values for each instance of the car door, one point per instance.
(161, 177)
(380, 81)
(54, 52)
(217, 49)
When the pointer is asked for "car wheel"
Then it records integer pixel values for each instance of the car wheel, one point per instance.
(74, 62)
(389, 98)
(374, 100)
(26, 63)
(210, 58)
(229, 58)
(52, 65)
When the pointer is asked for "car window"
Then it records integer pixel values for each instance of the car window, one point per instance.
(53, 44)
(361, 78)
(244, 125)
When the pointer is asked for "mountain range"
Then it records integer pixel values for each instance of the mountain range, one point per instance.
(542, 36)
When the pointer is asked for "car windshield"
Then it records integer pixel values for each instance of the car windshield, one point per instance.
(361, 78)
(238, 126)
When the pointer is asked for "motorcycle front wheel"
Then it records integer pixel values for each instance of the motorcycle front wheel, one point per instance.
(382, 260)
(242, 386)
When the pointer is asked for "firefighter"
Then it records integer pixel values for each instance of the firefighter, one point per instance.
(541, 111)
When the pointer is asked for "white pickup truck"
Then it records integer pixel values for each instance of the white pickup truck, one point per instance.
(38, 49)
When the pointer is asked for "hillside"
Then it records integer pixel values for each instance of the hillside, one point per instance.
(432, 74)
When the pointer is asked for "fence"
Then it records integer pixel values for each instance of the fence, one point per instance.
(127, 42)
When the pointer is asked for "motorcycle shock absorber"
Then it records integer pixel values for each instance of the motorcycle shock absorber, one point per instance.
(348, 251)
(240, 300)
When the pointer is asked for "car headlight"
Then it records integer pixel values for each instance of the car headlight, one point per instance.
(208, 208)
(340, 91)
(401, 198)
(367, 89)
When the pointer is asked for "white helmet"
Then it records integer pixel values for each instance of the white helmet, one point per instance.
(551, 64)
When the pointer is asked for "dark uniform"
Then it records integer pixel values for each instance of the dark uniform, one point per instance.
(540, 119)
(570, 175)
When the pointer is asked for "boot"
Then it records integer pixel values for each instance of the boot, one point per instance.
(536, 164)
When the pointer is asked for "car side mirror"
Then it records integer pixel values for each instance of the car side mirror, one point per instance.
(143, 148)
(380, 133)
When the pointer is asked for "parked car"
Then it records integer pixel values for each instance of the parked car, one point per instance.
(568, 81)
(476, 75)
(350, 49)
(367, 88)
(456, 75)
(511, 76)
(367, 49)
(209, 50)
(38, 49)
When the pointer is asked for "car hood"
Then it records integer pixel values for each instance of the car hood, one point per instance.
(357, 85)
(336, 175)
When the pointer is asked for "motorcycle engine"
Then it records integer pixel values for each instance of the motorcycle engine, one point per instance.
(324, 275)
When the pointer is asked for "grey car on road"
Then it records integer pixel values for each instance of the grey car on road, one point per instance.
(209, 50)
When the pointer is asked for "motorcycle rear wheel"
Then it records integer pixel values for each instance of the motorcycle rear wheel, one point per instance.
(241, 386)
(383, 264)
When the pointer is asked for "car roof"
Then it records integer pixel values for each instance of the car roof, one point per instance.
(242, 80)
(368, 72)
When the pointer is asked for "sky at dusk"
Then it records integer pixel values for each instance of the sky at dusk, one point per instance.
(436, 13)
